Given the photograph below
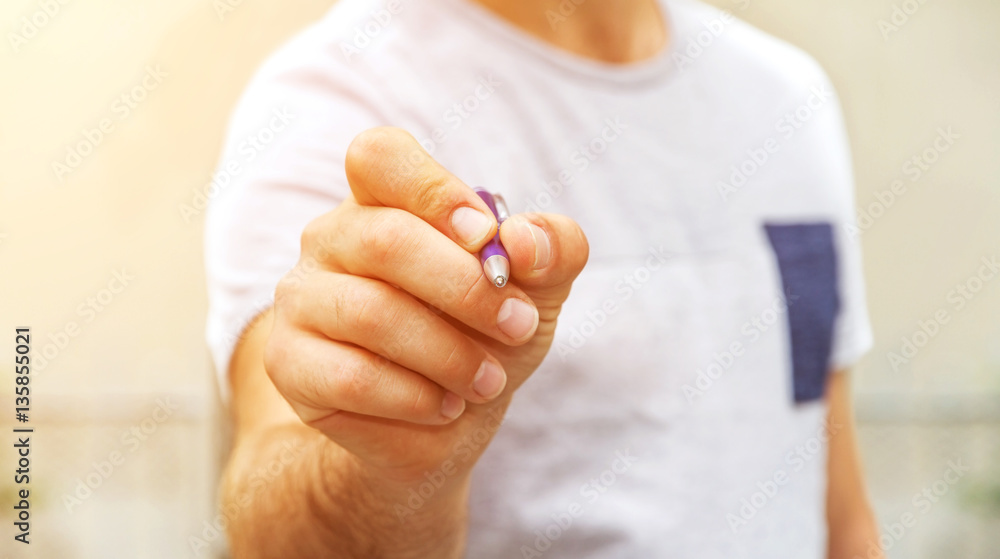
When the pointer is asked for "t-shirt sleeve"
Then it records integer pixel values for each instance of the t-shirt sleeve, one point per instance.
(852, 330)
(818, 176)
(282, 166)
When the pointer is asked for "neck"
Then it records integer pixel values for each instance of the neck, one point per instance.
(615, 31)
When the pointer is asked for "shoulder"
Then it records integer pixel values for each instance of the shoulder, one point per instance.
(349, 47)
(766, 96)
(334, 63)
(324, 96)
(307, 66)
(720, 42)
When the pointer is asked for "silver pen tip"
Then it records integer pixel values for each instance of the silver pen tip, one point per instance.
(497, 269)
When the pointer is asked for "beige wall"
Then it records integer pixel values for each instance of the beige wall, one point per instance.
(61, 241)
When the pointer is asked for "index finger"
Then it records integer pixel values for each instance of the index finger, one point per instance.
(388, 167)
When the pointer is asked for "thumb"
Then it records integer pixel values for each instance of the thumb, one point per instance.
(547, 252)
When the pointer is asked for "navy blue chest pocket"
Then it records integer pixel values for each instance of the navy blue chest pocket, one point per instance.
(807, 261)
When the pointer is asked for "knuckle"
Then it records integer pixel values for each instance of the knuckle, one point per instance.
(365, 150)
(384, 236)
(282, 291)
(370, 153)
(318, 390)
(360, 378)
(317, 241)
(457, 364)
(337, 308)
(275, 357)
(355, 309)
(375, 309)
(425, 403)
(289, 295)
(285, 294)
(463, 291)
(311, 235)
(433, 195)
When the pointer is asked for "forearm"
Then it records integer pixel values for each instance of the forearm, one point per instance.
(855, 537)
(290, 492)
(852, 530)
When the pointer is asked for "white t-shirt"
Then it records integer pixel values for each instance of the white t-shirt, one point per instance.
(680, 412)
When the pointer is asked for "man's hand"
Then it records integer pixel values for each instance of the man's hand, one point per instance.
(387, 336)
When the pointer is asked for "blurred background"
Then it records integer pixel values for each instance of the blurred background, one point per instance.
(103, 259)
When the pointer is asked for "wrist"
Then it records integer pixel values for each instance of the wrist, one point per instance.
(390, 489)
(401, 516)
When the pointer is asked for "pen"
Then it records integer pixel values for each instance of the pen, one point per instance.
(496, 263)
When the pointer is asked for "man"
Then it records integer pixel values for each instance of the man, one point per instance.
(691, 401)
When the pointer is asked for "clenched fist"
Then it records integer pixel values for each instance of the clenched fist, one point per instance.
(388, 338)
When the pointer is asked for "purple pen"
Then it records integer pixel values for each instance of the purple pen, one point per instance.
(496, 263)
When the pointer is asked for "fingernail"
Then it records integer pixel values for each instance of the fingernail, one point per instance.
(452, 405)
(517, 319)
(489, 380)
(543, 250)
(470, 225)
